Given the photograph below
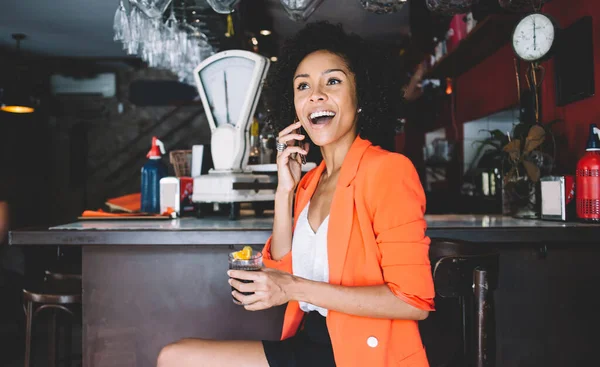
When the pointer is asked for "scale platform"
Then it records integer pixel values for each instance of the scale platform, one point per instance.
(256, 186)
(228, 187)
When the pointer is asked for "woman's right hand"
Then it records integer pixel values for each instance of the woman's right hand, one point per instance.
(289, 162)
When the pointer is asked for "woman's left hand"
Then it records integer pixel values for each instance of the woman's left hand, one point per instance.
(270, 287)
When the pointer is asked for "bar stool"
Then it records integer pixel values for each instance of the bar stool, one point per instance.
(59, 275)
(65, 266)
(469, 273)
(55, 295)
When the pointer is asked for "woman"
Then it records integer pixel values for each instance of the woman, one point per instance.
(353, 267)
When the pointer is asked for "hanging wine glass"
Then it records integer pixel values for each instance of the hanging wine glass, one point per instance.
(196, 46)
(152, 44)
(173, 45)
(382, 6)
(450, 7)
(152, 8)
(170, 40)
(222, 6)
(121, 23)
(522, 5)
(300, 10)
(136, 21)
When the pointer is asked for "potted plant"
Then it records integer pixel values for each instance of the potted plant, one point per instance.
(527, 154)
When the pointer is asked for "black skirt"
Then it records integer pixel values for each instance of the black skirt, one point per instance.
(310, 347)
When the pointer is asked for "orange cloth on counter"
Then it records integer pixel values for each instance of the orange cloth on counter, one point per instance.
(376, 236)
(128, 203)
(102, 214)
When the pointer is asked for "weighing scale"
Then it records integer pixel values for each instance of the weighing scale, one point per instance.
(229, 84)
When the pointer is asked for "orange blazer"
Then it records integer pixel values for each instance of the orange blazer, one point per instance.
(376, 236)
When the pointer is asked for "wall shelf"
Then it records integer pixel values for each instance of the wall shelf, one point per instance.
(488, 36)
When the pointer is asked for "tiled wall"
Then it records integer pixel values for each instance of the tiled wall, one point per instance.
(477, 130)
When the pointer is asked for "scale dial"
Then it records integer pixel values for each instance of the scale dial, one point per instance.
(533, 37)
(229, 84)
(226, 85)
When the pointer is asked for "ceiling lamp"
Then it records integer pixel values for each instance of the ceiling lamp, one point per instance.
(522, 5)
(222, 6)
(16, 99)
(382, 6)
(450, 7)
(300, 10)
(257, 18)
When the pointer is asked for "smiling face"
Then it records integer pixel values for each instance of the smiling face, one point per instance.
(325, 98)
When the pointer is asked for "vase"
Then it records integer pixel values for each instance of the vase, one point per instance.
(521, 198)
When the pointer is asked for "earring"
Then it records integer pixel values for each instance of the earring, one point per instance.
(359, 110)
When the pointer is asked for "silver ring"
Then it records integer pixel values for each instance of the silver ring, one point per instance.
(280, 146)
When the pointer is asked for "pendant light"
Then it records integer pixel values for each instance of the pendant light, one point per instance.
(16, 99)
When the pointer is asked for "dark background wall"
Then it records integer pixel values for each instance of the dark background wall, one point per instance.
(76, 152)
(491, 86)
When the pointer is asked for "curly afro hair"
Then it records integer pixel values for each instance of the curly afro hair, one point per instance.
(377, 72)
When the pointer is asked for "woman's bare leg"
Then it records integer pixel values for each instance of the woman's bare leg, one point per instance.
(212, 353)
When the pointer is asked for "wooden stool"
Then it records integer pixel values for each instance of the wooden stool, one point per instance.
(469, 273)
(55, 295)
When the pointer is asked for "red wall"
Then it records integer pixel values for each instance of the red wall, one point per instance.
(491, 86)
(487, 88)
(578, 115)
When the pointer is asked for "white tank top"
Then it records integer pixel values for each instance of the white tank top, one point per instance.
(309, 254)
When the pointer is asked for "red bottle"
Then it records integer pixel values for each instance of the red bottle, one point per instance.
(587, 182)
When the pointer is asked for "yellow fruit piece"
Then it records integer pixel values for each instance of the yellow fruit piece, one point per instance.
(247, 252)
(243, 254)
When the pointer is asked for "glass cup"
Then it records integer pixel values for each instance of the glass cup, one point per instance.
(253, 264)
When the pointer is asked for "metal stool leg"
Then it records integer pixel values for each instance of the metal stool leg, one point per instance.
(68, 340)
(463, 303)
(52, 345)
(28, 322)
(484, 321)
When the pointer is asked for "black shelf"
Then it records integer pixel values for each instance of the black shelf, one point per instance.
(487, 37)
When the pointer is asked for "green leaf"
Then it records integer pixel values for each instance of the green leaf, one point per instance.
(497, 140)
(500, 136)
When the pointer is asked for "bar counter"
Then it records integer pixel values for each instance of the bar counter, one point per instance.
(150, 282)
(255, 231)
